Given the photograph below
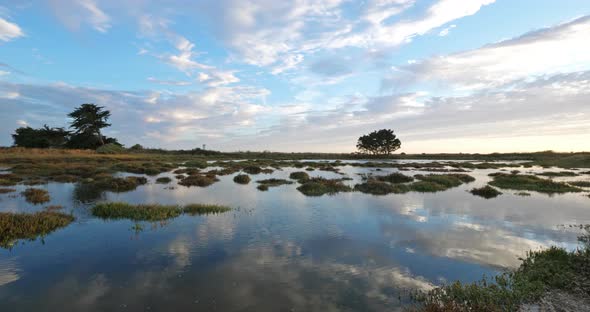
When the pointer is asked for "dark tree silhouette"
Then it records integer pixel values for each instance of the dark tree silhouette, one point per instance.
(381, 142)
(40, 138)
(88, 119)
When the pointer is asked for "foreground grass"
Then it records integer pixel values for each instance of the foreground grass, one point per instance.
(531, 183)
(15, 226)
(540, 273)
(151, 212)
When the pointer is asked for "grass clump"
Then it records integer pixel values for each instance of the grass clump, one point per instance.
(198, 180)
(117, 185)
(580, 183)
(377, 187)
(9, 179)
(163, 180)
(523, 194)
(242, 179)
(4, 190)
(252, 169)
(145, 212)
(198, 209)
(448, 180)
(558, 174)
(486, 192)
(299, 176)
(531, 183)
(321, 186)
(36, 196)
(274, 182)
(15, 226)
(395, 178)
(262, 187)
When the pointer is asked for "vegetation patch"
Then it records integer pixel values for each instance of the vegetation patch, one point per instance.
(4, 190)
(321, 186)
(242, 179)
(558, 174)
(579, 183)
(147, 212)
(163, 180)
(486, 192)
(117, 185)
(196, 164)
(252, 169)
(15, 226)
(299, 176)
(262, 187)
(274, 182)
(531, 183)
(198, 180)
(541, 273)
(199, 209)
(36, 196)
(9, 179)
(524, 194)
(377, 187)
(395, 178)
(111, 148)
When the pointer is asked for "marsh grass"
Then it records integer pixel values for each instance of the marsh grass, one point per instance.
(53, 207)
(36, 196)
(558, 174)
(540, 272)
(321, 186)
(377, 187)
(262, 187)
(199, 209)
(252, 169)
(299, 176)
(274, 182)
(524, 194)
(4, 190)
(531, 183)
(486, 192)
(144, 212)
(395, 177)
(579, 183)
(152, 212)
(198, 180)
(163, 180)
(16, 226)
(9, 179)
(242, 179)
(117, 185)
(201, 164)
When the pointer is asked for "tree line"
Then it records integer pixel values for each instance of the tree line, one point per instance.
(379, 142)
(87, 122)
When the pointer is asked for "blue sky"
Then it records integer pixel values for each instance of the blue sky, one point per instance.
(446, 75)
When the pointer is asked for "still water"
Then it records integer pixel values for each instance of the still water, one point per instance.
(277, 250)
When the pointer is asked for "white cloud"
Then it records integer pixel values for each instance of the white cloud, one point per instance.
(446, 31)
(9, 31)
(169, 82)
(74, 13)
(562, 48)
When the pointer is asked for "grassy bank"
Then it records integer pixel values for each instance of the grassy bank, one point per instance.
(540, 275)
(29, 226)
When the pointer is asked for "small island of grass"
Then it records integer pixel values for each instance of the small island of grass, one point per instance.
(29, 226)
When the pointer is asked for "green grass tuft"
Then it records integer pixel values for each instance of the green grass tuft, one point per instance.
(198, 180)
(531, 183)
(486, 192)
(321, 186)
(579, 183)
(376, 187)
(395, 178)
(274, 182)
(4, 190)
(299, 176)
(163, 180)
(15, 226)
(198, 209)
(145, 212)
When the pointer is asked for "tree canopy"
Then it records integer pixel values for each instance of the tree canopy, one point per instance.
(379, 142)
(88, 119)
(40, 138)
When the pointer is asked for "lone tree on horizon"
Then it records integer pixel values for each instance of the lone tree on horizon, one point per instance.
(88, 120)
(379, 142)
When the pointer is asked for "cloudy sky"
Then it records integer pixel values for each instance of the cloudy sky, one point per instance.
(304, 75)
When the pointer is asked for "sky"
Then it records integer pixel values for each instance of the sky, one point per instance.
(304, 75)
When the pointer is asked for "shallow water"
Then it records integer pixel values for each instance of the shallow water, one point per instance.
(277, 250)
